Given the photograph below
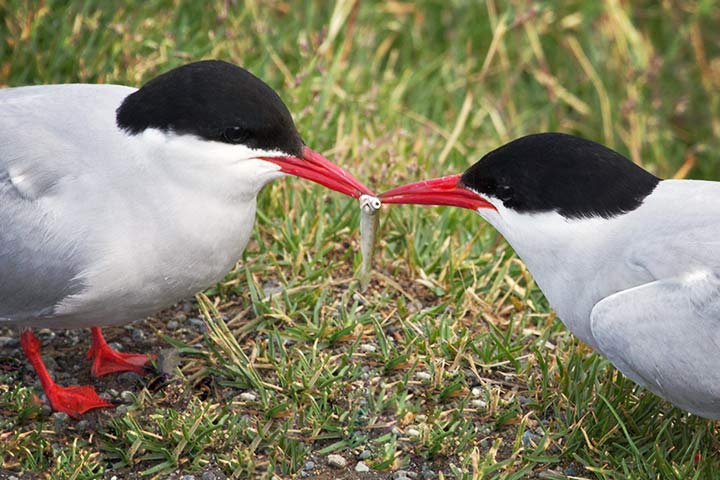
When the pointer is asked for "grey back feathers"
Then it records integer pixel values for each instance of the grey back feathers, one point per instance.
(47, 139)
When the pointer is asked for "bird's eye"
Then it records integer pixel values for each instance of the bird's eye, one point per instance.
(504, 192)
(235, 135)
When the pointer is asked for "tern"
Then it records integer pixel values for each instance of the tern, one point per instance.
(630, 262)
(117, 202)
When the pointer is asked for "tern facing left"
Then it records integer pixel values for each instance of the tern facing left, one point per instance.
(116, 202)
(630, 262)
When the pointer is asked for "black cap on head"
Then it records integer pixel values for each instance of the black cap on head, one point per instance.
(214, 100)
(558, 172)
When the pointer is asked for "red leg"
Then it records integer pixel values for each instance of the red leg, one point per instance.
(74, 400)
(106, 360)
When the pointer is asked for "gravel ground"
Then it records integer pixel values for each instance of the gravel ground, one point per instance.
(64, 355)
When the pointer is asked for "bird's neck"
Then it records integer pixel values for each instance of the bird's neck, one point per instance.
(565, 257)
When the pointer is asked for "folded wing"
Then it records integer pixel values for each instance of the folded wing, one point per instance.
(665, 335)
(48, 139)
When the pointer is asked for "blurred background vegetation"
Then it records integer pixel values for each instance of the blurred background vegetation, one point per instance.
(641, 77)
(396, 91)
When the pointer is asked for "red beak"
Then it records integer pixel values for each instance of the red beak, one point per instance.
(438, 191)
(319, 169)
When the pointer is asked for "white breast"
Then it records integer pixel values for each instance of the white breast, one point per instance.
(165, 231)
(578, 262)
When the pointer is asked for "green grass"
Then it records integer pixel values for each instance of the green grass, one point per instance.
(453, 358)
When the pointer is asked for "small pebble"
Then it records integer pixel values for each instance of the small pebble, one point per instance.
(208, 476)
(572, 470)
(309, 465)
(127, 396)
(51, 364)
(367, 347)
(364, 455)
(9, 342)
(187, 477)
(412, 432)
(423, 376)
(122, 409)
(336, 461)
(358, 298)
(168, 360)
(130, 378)
(113, 393)
(247, 397)
(529, 439)
(46, 335)
(138, 335)
(476, 391)
(477, 403)
(81, 426)
(116, 346)
(196, 322)
(172, 325)
(272, 288)
(362, 467)
(60, 417)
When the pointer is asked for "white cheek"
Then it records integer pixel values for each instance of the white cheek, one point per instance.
(493, 216)
(193, 149)
(230, 170)
(255, 168)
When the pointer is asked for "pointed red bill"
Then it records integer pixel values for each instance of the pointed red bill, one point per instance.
(438, 191)
(319, 169)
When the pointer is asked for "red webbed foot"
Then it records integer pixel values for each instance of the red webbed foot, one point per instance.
(74, 400)
(106, 360)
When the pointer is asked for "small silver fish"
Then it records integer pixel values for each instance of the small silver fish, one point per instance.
(369, 220)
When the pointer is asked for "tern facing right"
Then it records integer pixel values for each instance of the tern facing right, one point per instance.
(630, 262)
(116, 202)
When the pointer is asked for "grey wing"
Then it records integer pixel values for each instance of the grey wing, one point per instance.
(37, 268)
(45, 134)
(665, 335)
